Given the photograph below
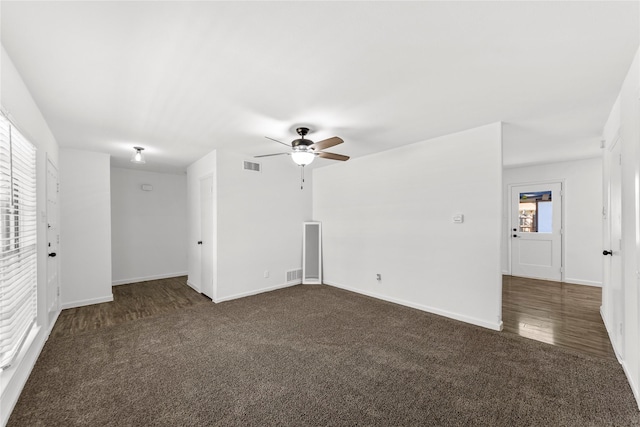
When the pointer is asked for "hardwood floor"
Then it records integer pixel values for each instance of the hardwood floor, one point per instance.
(557, 313)
(130, 302)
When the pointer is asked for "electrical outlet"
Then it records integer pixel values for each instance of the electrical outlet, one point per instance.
(378, 277)
(266, 274)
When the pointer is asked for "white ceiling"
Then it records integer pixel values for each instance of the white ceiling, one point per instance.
(184, 78)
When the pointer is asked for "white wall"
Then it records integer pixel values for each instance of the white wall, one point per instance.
(148, 228)
(391, 213)
(582, 215)
(260, 216)
(257, 226)
(16, 100)
(85, 228)
(625, 119)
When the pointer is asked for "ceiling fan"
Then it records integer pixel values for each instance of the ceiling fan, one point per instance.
(304, 151)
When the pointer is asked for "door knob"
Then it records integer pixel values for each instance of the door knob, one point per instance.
(515, 235)
(607, 253)
(52, 254)
(199, 242)
(515, 229)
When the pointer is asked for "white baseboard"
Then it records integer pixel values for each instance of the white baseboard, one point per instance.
(15, 377)
(146, 278)
(256, 292)
(53, 323)
(565, 280)
(632, 383)
(99, 300)
(611, 340)
(634, 386)
(194, 287)
(583, 282)
(497, 326)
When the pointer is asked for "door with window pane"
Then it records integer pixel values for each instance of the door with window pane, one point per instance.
(536, 231)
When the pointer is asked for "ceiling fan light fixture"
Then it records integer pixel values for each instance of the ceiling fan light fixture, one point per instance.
(303, 150)
(138, 157)
(302, 157)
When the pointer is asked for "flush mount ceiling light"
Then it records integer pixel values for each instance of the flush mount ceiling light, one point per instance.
(138, 157)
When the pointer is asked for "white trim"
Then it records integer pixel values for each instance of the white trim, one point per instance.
(305, 279)
(193, 286)
(546, 162)
(15, 377)
(583, 282)
(90, 301)
(625, 369)
(634, 387)
(255, 292)
(606, 327)
(568, 280)
(456, 316)
(563, 223)
(147, 278)
(49, 161)
(536, 278)
(53, 323)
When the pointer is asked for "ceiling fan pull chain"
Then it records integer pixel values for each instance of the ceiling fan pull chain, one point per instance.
(302, 177)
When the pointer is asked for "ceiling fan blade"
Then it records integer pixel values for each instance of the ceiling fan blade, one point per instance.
(326, 143)
(269, 155)
(333, 156)
(288, 145)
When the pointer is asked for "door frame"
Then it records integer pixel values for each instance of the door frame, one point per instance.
(317, 251)
(213, 287)
(52, 311)
(563, 190)
(612, 318)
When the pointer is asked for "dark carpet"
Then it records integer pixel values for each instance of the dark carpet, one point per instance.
(316, 355)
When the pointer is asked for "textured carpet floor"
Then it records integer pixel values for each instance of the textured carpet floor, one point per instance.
(316, 355)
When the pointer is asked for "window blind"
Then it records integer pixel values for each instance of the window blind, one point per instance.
(18, 221)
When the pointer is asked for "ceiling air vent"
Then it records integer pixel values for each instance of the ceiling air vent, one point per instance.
(251, 166)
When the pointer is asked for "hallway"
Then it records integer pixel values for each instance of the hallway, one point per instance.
(557, 313)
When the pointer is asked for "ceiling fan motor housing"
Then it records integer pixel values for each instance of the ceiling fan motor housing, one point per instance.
(301, 141)
(302, 131)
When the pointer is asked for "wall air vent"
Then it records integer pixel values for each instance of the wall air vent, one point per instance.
(251, 166)
(294, 276)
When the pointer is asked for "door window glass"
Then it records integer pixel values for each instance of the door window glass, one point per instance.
(535, 212)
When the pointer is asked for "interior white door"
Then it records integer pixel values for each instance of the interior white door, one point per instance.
(53, 240)
(206, 241)
(536, 231)
(614, 291)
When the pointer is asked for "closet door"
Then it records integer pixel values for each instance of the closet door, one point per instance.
(207, 241)
(312, 253)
